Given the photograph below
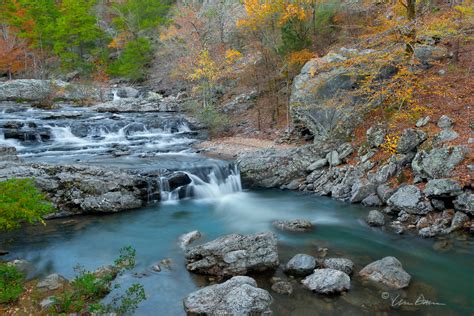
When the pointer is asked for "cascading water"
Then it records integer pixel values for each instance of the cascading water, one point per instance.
(220, 181)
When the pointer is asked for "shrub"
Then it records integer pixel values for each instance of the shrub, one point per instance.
(21, 201)
(11, 283)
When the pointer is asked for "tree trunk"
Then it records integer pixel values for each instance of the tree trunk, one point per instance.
(411, 9)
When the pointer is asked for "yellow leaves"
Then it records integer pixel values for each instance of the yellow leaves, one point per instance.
(120, 40)
(268, 12)
(391, 144)
(232, 55)
(205, 69)
(299, 58)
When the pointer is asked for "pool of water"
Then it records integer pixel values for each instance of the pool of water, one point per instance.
(442, 276)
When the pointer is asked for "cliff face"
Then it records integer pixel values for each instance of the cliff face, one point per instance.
(418, 169)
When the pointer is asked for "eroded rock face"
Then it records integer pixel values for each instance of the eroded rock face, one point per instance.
(300, 265)
(234, 255)
(80, 189)
(270, 168)
(388, 271)
(327, 281)
(237, 296)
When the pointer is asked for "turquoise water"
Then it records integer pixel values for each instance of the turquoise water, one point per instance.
(442, 276)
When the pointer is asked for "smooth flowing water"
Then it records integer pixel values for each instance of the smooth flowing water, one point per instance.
(441, 270)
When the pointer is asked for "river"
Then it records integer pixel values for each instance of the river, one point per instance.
(215, 204)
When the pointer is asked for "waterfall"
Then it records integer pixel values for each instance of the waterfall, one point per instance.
(221, 180)
(116, 97)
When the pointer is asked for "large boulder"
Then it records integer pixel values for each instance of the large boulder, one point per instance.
(439, 162)
(428, 53)
(272, 168)
(321, 98)
(465, 203)
(327, 281)
(234, 255)
(52, 282)
(342, 264)
(387, 271)
(410, 140)
(237, 296)
(442, 188)
(408, 198)
(300, 265)
(375, 218)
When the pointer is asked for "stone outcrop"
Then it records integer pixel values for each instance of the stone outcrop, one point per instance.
(80, 189)
(151, 103)
(237, 296)
(234, 255)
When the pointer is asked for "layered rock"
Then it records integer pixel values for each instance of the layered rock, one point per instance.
(234, 255)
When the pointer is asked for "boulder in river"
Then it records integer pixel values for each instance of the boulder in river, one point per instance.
(375, 218)
(234, 254)
(300, 265)
(342, 264)
(295, 225)
(186, 239)
(388, 271)
(237, 296)
(327, 281)
(408, 198)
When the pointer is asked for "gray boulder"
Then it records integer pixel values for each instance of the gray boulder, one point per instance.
(372, 200)
(8, 153)
(465, 203)
(442, 188)
(445, 122)
(327, 281)
(234, 255)
(52, 282)
(317, 164)
(388, 271)
(459, 220)
(237, 296)
(410, 140)
(300, 265)
(342, 264)
(423, 121)
(295, 225)
(439, 162)
(408, 198)
(333, 158)
(375, 218)
(385, 192)
(375, 136)
(186, 239)
(345, 150)
(428, 53)
(446, 135)
(361, 189)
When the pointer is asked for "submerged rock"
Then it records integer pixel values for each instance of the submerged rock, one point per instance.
(300, 265)
(237, 296)
(296, 225)
(327, 281)
(388, 271)
(188, 238)
(282, 287)
(234, 255)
